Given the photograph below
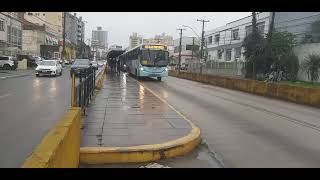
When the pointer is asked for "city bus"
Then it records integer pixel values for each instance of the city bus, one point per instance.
(147, 60)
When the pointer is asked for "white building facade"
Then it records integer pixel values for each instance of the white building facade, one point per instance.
(225, 43)
(186, 50)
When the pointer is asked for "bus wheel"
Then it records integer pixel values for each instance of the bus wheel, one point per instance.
(159, 78)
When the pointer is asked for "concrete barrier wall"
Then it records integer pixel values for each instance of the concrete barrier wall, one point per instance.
(100, 79)
(60, 148)
(309, 96)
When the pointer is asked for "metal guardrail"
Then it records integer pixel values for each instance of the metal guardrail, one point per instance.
(83, 92)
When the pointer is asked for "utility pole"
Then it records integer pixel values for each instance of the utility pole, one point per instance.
(64, 36)
(179, 65)
(202, 41)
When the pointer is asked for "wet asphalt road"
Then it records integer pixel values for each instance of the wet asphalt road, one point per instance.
(29, 107)
(246, 130)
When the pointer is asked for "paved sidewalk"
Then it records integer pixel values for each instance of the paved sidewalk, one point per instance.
(124, 113)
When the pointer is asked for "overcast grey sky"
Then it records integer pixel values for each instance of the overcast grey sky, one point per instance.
(120, 25)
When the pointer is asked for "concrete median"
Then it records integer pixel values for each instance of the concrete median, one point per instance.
(308, 96)
(60, 147)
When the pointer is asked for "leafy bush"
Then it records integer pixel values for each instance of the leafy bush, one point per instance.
(311, 66)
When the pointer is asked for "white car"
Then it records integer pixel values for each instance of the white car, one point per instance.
(49, 67)
(94, 64)
(38, 59)
(7, 62)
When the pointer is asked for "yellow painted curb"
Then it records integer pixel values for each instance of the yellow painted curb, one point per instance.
(143, 153)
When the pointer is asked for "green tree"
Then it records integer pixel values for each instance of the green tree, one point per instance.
(282, 44)
(254, 45)
(282, 56)
(311, 66)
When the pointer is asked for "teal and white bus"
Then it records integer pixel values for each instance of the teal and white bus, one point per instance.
(146, 61)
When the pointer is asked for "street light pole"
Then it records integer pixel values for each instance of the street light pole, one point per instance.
(179, 65)
(202, 41)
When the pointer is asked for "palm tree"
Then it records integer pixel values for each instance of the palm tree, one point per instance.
(311, 66)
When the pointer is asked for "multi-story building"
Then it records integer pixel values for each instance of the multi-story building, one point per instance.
(80, 31)
(100, 38)
(160, 39)
(10, 33)
(225, 43)
(189, 50)
(305, 26)
(135, 40)
(42, 33)
(71, 28)
(99, 42)
(53, 21)
(300, 24)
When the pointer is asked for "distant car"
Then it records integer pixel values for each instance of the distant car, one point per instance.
(8, 62)
(78, 65)
(94, 65)
(49, 67)
(100, 63)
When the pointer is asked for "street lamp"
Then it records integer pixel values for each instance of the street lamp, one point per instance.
(192, 30)
(193, 39)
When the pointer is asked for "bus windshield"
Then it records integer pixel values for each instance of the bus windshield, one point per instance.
(154, 57)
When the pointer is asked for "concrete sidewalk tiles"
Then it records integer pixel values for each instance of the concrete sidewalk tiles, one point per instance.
(124, 114)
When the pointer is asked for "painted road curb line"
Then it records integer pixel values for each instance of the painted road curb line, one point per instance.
(8, 77)
(143, 153)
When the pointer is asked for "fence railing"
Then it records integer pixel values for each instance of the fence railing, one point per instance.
(233, 68)
(83, 91)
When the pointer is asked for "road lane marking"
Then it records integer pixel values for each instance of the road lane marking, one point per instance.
(6, 95)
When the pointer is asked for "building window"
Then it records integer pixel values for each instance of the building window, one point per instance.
(228, 54)
(235, 34)
(216, 38)
(44, 14)
(237, 53)
(1, 25)
(219, 53)
(210, 40)
(260, 26)
(30, 14)
(248, 30)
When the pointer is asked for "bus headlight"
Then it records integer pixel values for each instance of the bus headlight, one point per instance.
(141, 68)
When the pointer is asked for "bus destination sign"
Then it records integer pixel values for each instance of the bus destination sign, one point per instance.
(155, 47)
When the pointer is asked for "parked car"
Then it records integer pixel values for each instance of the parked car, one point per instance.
(78, 65)
(8, 62)
(94, 65)
(38, 59)
(49, 67)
